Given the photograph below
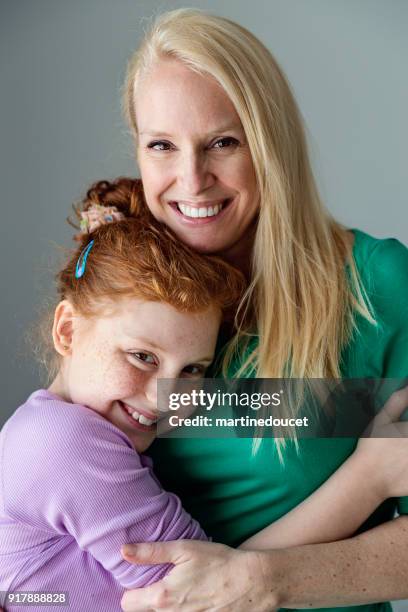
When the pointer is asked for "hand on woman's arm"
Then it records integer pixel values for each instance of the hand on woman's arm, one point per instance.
(206, 577)
(367, 568)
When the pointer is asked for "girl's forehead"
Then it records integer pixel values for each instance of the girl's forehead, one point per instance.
(161, 328)
(159, 320)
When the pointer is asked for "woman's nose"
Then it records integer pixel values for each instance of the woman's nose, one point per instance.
(194, 174)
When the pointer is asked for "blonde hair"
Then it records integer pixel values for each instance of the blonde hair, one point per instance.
(304, 301)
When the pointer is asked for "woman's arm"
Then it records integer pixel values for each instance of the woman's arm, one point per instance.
(376, 471)
(366, 568)
(334, 511)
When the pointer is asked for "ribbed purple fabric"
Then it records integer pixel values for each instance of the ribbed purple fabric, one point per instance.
(73, 490)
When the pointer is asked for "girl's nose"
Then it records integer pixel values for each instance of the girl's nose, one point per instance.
(158, 389)
(150, 392)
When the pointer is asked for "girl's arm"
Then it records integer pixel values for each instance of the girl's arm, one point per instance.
(83, 479)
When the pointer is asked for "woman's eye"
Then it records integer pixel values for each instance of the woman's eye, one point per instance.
(159, 145)
(144, 358)
(226, 142)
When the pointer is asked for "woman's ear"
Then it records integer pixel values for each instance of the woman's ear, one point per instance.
(63, 328)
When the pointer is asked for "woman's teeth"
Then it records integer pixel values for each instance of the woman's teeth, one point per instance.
(203, 211)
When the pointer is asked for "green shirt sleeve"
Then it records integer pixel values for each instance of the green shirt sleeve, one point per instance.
(389, 270)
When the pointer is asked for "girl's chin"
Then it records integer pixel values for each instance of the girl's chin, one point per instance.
(141, 443)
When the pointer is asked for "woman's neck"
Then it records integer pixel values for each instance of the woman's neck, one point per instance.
(239, 254)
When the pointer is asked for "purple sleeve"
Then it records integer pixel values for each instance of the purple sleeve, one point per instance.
(76, 474)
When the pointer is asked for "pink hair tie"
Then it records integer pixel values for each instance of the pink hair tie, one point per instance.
(98, 215)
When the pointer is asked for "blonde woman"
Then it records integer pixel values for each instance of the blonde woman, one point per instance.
(224, 163)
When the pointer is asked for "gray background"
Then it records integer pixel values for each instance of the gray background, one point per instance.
(62, 68)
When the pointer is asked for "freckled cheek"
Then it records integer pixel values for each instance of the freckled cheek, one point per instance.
(126, 382)
(103, 379)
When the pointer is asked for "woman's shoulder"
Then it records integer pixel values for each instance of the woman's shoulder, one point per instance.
(368, 249)
(379, 350)
(382, 264)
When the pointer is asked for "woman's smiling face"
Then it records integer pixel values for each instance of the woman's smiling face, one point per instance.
(195, 163)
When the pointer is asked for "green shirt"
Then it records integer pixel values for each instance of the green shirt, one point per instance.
(235, 494)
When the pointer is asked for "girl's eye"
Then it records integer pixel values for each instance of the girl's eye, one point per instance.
(146, 358)
(194, 370)
(226, 142)
(159, 145)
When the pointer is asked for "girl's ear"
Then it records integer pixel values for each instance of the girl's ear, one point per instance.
(63, 328)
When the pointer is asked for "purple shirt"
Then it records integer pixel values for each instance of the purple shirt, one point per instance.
(73, 490)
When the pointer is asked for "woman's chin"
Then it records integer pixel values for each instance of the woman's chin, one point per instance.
(204, 244)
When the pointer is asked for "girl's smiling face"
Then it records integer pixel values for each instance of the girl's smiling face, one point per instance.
(112, 363)
(194, 159)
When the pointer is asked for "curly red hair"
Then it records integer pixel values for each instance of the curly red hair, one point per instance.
(139, 257)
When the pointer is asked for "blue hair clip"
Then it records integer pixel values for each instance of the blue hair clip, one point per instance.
(81, 263)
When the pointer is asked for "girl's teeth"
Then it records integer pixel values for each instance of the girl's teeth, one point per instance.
(145, 421)
(201, 212)
(141, 418)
